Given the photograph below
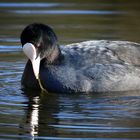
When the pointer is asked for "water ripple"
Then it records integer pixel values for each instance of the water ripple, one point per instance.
(100, 129)
(9, 39)
(66, 12)
(33, 5)
(10, 48)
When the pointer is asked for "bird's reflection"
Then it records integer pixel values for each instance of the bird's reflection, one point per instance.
(59, 116)
(40, 113)
(34, 114)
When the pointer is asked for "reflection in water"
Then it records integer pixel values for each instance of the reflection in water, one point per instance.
(104, 115)
(34, 116)
(40, 114)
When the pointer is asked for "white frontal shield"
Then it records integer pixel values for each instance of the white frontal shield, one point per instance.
(30, 51)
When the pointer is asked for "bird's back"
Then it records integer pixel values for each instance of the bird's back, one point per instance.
(104, 51)
(96, 66)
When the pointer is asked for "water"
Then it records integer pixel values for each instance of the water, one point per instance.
(27, 115)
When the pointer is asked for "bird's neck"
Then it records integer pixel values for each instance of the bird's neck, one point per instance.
(55, 56)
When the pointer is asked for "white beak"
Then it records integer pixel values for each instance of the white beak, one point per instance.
(31, 53)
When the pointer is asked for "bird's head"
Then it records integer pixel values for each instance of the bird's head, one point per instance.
(38, 42)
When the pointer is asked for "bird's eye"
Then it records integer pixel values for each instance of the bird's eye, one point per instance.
(38, 45)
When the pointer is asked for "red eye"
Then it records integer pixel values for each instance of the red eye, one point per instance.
(37, 45)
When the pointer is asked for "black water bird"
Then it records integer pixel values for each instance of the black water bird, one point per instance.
(89, 66)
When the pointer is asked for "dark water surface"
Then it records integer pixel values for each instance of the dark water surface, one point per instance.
(103, 116)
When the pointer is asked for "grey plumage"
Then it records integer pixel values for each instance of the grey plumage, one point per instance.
(95, 66)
